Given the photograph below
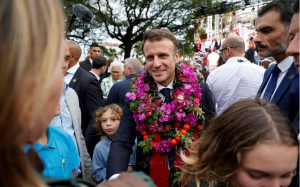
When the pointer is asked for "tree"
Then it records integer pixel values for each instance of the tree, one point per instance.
(127, 20)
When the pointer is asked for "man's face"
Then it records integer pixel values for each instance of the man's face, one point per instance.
(293, 49)
(160, 60)
(224, 53)
(94, 51)
(66, 59)
(116, 73)
(272, 37)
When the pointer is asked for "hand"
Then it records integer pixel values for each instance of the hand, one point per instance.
(129, 169)
(126, 180)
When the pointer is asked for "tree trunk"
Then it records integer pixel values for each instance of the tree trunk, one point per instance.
(128, 47)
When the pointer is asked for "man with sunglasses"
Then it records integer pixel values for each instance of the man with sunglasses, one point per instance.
(237, 79)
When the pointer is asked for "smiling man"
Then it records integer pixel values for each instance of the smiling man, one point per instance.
(158, 85)
(281, 81)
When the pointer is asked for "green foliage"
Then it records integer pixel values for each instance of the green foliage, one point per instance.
(225, 33)
(127, 20)
(147, 144)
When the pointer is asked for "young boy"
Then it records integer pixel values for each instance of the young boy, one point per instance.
(107, 124)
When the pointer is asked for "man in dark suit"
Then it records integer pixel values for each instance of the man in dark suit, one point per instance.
(281, 81)
(93, 51)
(118, 91)
(90, 96)
(160, 49)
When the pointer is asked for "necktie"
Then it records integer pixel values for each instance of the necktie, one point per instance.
(167, 94)
(272, 83)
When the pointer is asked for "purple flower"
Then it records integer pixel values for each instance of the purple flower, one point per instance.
(156, 127)
(179, 115)
(191, 119)
(142, 117)
(165, 112)
(131, 96)
(164, 146)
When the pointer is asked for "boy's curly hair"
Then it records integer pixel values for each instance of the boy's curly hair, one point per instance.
(116, 110)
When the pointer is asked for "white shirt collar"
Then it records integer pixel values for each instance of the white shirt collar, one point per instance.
(95, 75)
(91, 61)
(73, 69)
(235, 60)
(285, 64)
(160, 87)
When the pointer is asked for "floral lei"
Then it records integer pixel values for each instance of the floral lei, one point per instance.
(176, 122)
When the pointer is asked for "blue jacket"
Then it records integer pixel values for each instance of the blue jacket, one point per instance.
(118, 91)
(100, 159)
(287, 94)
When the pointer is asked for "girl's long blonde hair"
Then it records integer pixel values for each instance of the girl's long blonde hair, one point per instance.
(31, 35)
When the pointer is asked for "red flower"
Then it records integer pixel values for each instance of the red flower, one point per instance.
(156, 88)
(183, 78)
(177, 124)
(167, 128)
(157, 102)
(179, 71)
(196, 99)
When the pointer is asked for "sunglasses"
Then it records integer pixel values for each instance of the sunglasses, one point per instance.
(226, 48)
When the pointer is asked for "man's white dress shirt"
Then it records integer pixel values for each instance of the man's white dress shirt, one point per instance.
(70, 73)
(234, 81)
(284, 67)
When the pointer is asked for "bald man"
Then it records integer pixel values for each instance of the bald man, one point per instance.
(90, 96)
(237, 79)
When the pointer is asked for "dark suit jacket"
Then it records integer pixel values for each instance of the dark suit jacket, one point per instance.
(118, 91)
(86, 65)
(90, 99)
(287, 94)
(121, 147)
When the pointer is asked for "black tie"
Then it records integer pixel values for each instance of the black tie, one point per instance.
(167, 94)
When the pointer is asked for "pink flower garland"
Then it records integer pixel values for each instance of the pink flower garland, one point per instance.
(148, 107)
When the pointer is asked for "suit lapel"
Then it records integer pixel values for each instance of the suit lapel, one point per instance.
(75, 78)
(74, 114)
(287, 80)
(265, 81)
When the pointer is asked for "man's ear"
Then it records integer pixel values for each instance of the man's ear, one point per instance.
(131, 70)
(177, 57)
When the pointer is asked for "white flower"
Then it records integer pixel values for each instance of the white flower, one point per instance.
(180, 97)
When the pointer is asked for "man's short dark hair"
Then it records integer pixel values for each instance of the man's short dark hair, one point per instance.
(296, 7)
(94, 45)
(99, 61)
(282, 6)
(159, 34)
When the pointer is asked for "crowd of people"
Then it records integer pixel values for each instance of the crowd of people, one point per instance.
(102, 121)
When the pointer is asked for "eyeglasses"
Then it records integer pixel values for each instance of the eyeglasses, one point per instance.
(226, 48)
